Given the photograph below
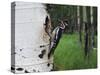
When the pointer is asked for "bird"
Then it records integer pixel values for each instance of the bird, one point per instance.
(56, 36)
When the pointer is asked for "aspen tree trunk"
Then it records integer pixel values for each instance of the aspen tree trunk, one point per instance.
(30, 42)
(92, 27)
(94, 9)
(85, 31)
(78, 17)
(84, 16)
(78, 22)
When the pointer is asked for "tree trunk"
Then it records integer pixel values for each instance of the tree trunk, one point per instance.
(30, 42)
(85, 31)
(81, 24)
(78, 22)
(92, 28)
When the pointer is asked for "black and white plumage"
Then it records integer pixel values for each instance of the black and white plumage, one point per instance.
(56, 35)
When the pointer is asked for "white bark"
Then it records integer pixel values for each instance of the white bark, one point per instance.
(92, 28)
(84, 17)
(29, 36)
(84, 14)
(78, 16)
(91, 12)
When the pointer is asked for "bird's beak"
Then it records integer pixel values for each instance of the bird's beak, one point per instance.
(66, 24)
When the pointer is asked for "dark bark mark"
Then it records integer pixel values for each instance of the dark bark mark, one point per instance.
(38, 71)
(41, 55)
(12, 68)
(43, 52)
(21, 49)
(26, 71)
(19, 69)
(48, 64)
(34, 70)
(52, 69)
(14, 53)
(42, 46)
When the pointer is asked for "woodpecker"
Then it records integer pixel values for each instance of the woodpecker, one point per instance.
(56, 35)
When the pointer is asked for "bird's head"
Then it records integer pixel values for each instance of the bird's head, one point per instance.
(63, 23)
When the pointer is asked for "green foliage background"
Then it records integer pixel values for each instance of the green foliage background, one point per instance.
(69, 53)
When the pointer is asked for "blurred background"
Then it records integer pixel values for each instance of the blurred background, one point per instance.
(77, 48)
